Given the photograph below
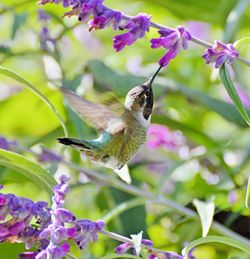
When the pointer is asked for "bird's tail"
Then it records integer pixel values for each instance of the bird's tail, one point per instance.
(76, 143)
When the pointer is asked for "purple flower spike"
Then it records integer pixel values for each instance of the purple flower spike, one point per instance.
(36, 224)
(137, 27)
(220, 53)
(173, 40)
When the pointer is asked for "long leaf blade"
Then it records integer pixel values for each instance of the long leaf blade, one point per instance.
(27, 168)
(228, 83)
(30, 86)
(216, 239)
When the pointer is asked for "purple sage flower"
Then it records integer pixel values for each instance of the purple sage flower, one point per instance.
(43, 16)
(124, 247)
(108, 17)
(137, 27)
(7, 144)
(173, 40)
(22, 220)
(160, 136)
(220, 53)
(48, 156)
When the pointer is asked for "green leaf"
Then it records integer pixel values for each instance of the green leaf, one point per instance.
(120, 84)
(234, 19)
(116, 211)
(19, 19)
(206, 213)
(228, 83)
(248, 193)
(216, 239)
(192, 133)
(224, 109)
(27, 168)
(30, 86)
(241, 42)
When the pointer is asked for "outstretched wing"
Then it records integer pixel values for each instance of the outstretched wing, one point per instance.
(98, 115)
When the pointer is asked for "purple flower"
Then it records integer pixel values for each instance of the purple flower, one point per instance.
(108, 17)
(36, 224)
(232, 197)
(85, 231)
(160, 136)
(173, 40)
(220, 53)
(82, 232)
(28, 255)
(7, 144)
(137, 27)
(124, 247)
(20, 213)
(90, 8)
(48, 156)
(43, 16)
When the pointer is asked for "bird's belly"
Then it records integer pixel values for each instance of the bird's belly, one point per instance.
(125, 147)
(118, 150)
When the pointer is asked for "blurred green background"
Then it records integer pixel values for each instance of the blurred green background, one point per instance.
(211, 153)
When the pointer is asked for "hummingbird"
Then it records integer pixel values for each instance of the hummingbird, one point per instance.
(123, 128)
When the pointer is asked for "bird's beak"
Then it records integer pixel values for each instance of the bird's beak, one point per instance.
(149, 83)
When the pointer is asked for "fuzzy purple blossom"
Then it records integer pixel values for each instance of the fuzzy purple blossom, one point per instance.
(173, 40)
(220, 53)
(137, 27)
(50, 230)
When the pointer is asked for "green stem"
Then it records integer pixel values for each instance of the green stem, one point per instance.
(122, 208)
(158, 199)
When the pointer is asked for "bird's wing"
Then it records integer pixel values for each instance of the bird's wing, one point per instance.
(98, 115)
